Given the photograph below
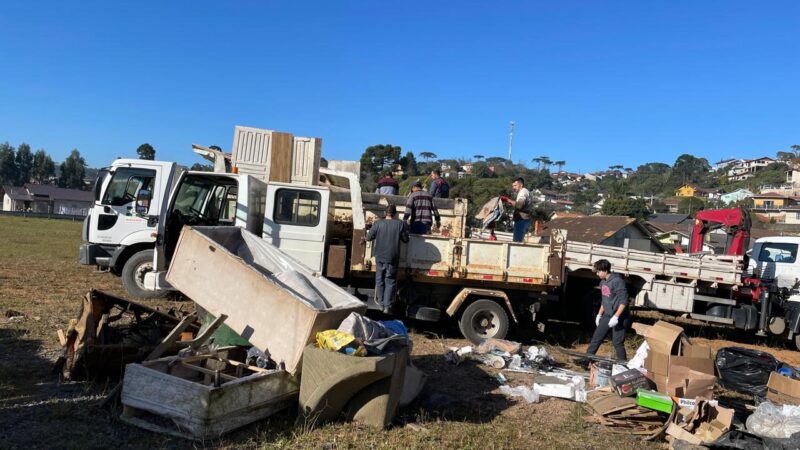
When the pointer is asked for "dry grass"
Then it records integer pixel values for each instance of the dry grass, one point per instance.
(40, 277)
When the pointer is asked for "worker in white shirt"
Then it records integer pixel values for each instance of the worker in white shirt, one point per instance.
(523, 208)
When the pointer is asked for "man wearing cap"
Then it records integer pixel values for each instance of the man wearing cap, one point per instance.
(387, 234)
(420, 210)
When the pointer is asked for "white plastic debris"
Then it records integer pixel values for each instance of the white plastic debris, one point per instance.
(637, 362)
(530, 395)
(773, 421)
(516, 362)
(618, 368)
(464, 351)
(561, 386)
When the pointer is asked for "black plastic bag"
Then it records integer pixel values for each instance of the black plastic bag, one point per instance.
(744, 370)
(736, 439)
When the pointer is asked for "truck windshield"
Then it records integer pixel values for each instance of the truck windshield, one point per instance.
(126, 183)
(779, 252)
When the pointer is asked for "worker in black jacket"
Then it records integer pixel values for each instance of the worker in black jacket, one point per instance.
(387, 234)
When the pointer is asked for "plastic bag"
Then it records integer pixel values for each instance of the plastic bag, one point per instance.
(338, 341)
(530, 395)
(774, 421)
(745, 370)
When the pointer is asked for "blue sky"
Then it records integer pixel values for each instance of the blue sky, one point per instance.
(593, 83)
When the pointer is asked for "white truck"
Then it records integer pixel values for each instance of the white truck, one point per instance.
(757, 293)
(117, 237)
(484, 284)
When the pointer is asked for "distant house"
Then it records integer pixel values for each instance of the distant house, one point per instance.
(685, 191)
(467, 168)
(616, 231)
(747, 168)
(45, 198)
(772, 200)
(672, 204)
(708, 193)
(564, 215)
(735, 196)
(723, 163)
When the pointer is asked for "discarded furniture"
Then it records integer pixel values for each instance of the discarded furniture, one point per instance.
(110, 332)
(203, 396)
(271, 299)
(366, 389)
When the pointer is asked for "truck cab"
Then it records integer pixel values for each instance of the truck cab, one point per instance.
(118, 236)
(776, 258)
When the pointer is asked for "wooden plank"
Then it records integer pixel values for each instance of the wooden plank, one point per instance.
(281, 158)
(172, 337)
(62, 338)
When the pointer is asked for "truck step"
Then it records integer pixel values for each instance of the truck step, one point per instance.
(706, 318)
(717, 300)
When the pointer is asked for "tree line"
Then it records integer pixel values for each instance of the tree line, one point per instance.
(626, 191)
(20, 165)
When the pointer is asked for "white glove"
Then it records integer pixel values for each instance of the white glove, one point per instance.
(613, 322)
(597, 320)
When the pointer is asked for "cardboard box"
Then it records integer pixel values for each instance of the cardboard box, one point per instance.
(701, 426)
(783, 390)
(654, 400)
(626, 383)
(685, 382)
(678, 368)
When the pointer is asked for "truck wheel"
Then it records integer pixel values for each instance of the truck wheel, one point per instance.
(133, 275)
(483, 319)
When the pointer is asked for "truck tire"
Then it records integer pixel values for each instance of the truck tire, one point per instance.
(483, 319)
(133, 275)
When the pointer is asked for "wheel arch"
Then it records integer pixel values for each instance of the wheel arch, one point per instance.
(468, 295)
(123, 253)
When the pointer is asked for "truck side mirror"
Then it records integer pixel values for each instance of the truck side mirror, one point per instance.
(143, 198)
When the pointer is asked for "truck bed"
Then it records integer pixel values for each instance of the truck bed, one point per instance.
(710, 268)
(441, 258)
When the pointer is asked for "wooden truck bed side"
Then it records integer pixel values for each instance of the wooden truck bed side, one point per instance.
(440, 259)
(709, 268)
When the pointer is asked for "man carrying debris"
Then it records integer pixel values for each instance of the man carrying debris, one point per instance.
(387, 234)
(420, 210)
(613, 310)
(387, 185)
(523, 206)
(439, 187)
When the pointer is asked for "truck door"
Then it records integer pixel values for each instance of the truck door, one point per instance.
(778, 260)
(113, 217)
(296, 220)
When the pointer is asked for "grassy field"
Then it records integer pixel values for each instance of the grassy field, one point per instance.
(461, 406)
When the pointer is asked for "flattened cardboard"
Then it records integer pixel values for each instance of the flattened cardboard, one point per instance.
(783, 390)
(679, 433)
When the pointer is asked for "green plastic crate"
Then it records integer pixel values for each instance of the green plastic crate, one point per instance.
(654, 400)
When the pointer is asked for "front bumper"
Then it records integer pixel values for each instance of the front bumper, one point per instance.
(95, 254)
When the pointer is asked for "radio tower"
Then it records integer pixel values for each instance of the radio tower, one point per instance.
(510, 140)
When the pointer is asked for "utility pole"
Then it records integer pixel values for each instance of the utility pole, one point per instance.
(510, 140)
